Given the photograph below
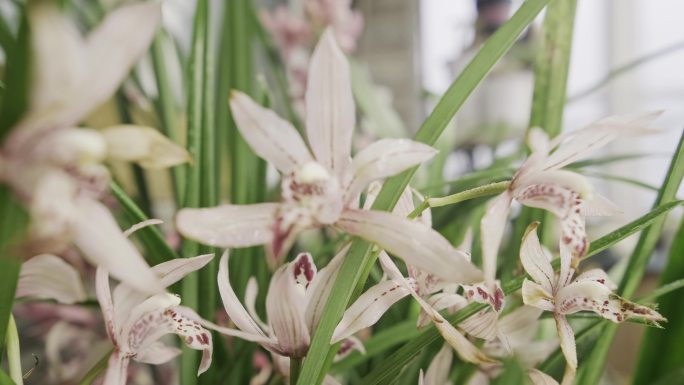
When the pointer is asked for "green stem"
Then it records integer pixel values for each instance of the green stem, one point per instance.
(295, 368)
(481, 191)
(14, 352)
(96, 370)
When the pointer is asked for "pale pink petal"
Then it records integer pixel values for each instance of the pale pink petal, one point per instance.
(319, 290)
(415, 243)
(117, 369)
(538, 377)
(596, 297)
(441, 301)
(385, 158)
(577, 144)
(348, 345)
(104, 297)
(234, 308)
(101, 63)
(562, 178)
(48, 276)
(251, 293)
(142, 225)
(285, 306)
(597, 275)
(143, 145)
(270, 136)
(554, 198)
(229, 225)
(567, 340)
(536, 295)
(157, 354)
(174, 270)
(536, 260)
(100, 239)
(574, 234)
(492, 228)
(369, 307)
(599, 206)
(153, 325)
(538, 141)
(330, 112)
(483, 325)
(440, 367)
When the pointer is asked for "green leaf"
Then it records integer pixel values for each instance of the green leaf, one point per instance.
(16, 79)
(358, 258)
(658, 354)
(512, 373)
(636, 266)
(158, 250)
(5, 379)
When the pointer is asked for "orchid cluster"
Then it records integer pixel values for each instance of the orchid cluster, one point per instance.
(75, 247)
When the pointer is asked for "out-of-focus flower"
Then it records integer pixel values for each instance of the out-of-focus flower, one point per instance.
(282, 367)
(48, 276)
(136, 321)
(439, 369)
(338, 14)
(540, 182)
(559, 294)
(71, 350)
(323, 188)
(55, 168)
(294, 305)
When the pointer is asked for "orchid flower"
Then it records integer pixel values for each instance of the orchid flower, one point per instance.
(55, 168)
(322, 187)
(542, 183)
(294, 305)
(559, 294)
(136, 321)
(282, 367)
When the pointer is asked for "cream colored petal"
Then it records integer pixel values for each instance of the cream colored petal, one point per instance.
(100, 239)
(319, 290)
(384, 158)
(229, 225)
(417, 244)
(48, 276)
(536, 260)
(330, 111)
(535, 295)
(492, 228)
(143, 145)
(440, 367)
(567, 340)
(270, 136)
(597, 275)
(538, 377)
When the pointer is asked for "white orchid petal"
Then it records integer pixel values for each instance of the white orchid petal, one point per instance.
(536, 260)
(104, 297)
(597, 275)
(143, 145)
(439, 302)
(369, 307)
(416, 243)
(157, 354)
(174, 270)
(481, 293)
(330, 112)
(319, 290)
(100, 239)
(536, 295)
(229, 225)
(482, 325)
(563, 178)
(304, 269)
(600, 206)
(440, 367)
(141, 225)
(97, 68)
(117, 369)
(596, 297)
(270, 136)
(348, 345)
(385, 158)
(538, 377)
(285, 306)
(557, 199)
(567, 340)
(520, 320)
(492, 228)
(251, 293)
(48, 276)
(575, 145)
(234, 308)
